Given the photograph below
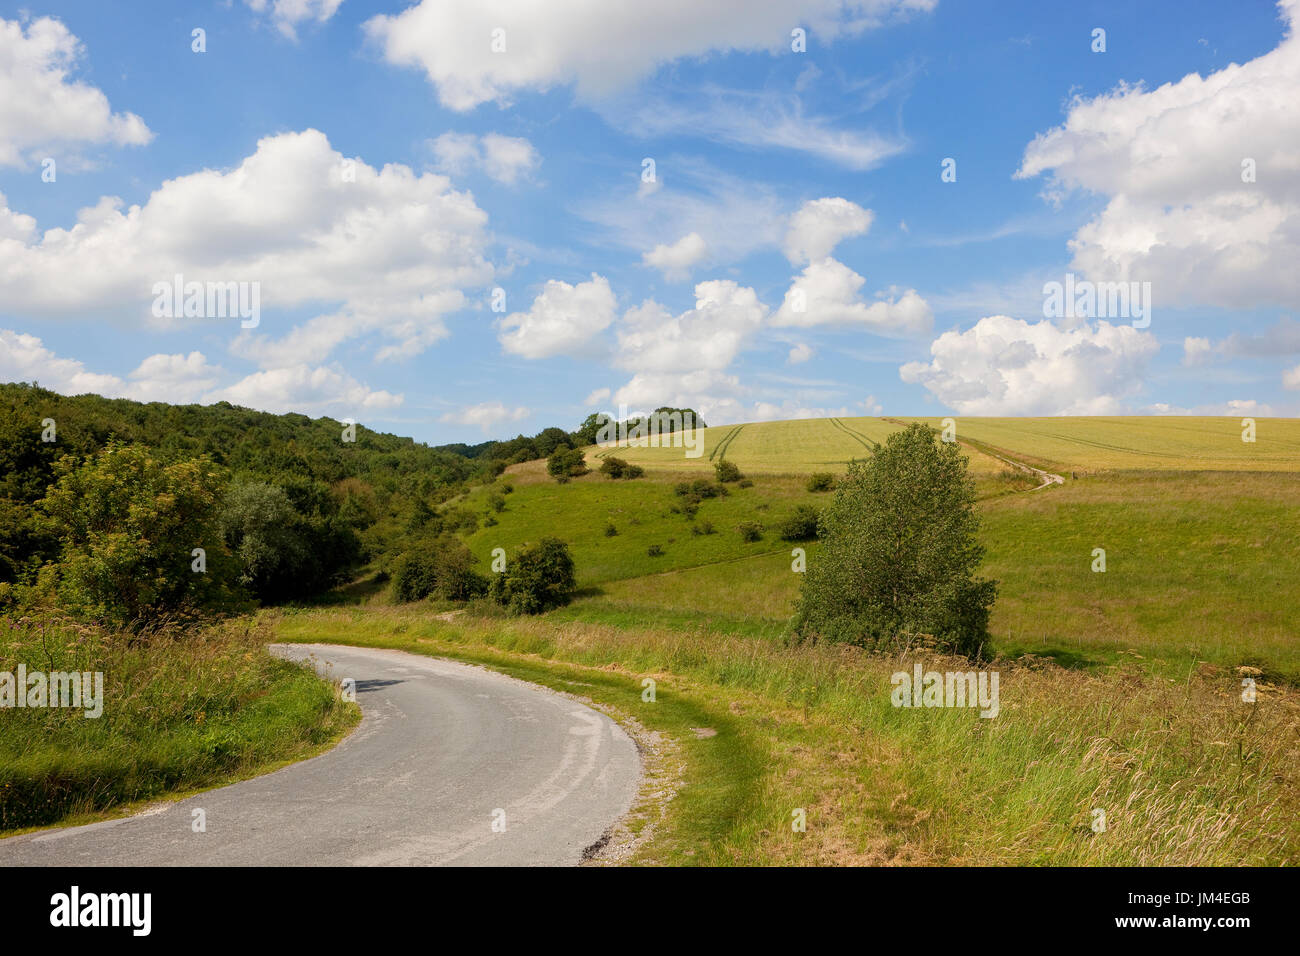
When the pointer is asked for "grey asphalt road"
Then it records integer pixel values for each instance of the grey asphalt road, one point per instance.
(451, 765)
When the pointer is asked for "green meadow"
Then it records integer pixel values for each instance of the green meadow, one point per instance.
(1198, 563)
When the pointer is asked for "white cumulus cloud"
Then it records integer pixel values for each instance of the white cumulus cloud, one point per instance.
(828, 292)
(709, 336)
(485, 415)
(42, 106)
(800, 353)
(177, 379)
(599, 47)
(1173, 163)
(564, 319)
(1006, 366)
(288, 14)
(186, 378)
(675, 261)
(321, 390)
(387, 250)
(507, 159)
(820, 224)
(24, 358)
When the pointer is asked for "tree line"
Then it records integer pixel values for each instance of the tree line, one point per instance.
(128, 512)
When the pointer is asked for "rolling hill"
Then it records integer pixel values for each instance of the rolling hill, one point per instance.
(1199, 529)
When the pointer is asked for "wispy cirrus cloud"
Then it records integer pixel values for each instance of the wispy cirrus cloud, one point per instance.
(763, 119)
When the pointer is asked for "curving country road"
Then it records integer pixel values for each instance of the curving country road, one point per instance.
(442, 748)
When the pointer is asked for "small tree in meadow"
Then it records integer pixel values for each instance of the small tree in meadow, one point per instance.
(900, 552)
(821, 481)
(566, 463)
(799, 525)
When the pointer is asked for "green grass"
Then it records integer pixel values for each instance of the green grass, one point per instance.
(642, 512)
(1200, 565)
(647, 512)
(1186, 772)
(180, 713)
(1081, 444)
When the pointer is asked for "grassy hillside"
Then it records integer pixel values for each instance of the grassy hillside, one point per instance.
(797, 447)
(1198, 562)
(1080, 444)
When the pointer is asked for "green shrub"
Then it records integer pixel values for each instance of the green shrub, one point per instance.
(129, 525)
(799, 525)
(442, 568)
(610, 530)
(654, 551)
(538, 578)
(821, 481)
(618, 468)
(700, 488)
(460, 520)
(727, 471)
(750, 531)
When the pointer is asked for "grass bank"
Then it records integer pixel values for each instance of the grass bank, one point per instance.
(180, 712)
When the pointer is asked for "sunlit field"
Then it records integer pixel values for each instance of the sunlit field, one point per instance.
(1171, 442)
(787, 447)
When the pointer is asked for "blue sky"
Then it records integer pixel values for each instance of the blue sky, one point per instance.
(378, 172)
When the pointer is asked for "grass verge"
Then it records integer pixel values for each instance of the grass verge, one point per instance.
(181, 713)
(1185, 771)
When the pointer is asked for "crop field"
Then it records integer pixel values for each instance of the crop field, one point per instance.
(1123, 444)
